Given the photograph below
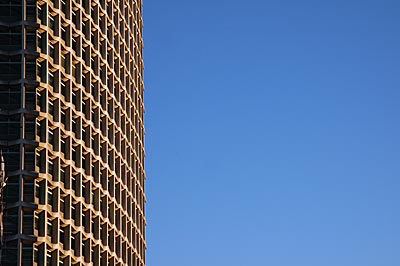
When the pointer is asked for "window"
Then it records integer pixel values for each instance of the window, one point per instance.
(49, 224)
(51, 51)
(62, 236)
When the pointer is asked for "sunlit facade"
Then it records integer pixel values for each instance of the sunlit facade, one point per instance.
(72, 132)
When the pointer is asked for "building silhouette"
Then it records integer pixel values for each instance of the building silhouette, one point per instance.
(72, 133)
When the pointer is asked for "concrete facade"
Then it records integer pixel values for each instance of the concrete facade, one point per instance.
(72, 132)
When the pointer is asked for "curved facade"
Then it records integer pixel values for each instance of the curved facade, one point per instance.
(72, 132)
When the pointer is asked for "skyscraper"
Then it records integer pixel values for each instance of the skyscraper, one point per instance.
(72, 133)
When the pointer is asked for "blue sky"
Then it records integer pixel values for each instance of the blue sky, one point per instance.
(273, 132)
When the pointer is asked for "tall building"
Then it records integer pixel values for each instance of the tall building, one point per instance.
(72, 133)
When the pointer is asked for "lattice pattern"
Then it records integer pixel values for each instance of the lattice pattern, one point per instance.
(89, 173)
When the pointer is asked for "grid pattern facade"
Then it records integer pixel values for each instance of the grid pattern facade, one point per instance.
(72, 132)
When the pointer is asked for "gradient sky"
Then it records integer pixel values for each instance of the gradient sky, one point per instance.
(273, 132)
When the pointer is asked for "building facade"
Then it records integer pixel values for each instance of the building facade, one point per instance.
(72, 132)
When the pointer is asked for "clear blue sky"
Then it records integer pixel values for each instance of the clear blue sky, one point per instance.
(273, 132)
